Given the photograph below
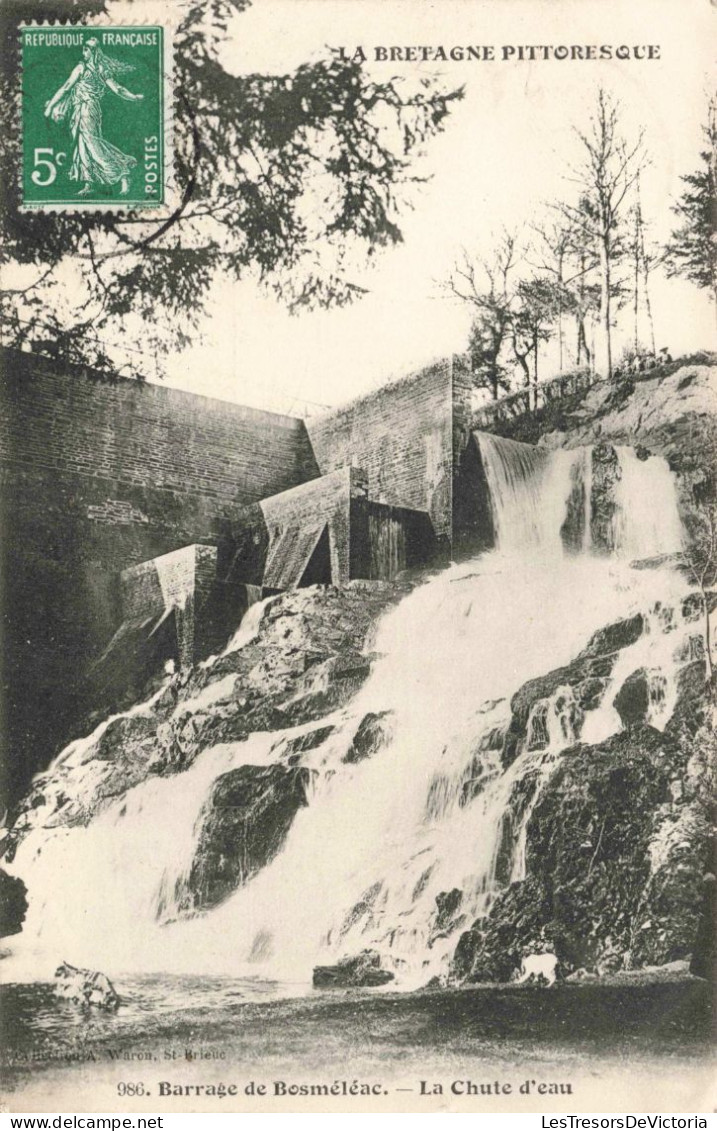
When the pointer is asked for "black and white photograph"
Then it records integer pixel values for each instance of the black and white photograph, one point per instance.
(359, 556)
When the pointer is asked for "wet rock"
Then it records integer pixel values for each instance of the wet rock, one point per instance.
(659, 561)
(478, 771)
(188, 735)
(677, 790)
(13, 904)
(693, 648)
(447, 917)
(465, 956)
(302, 743)
(307, 659)
(244, 825)
(492, 950)
(447, 904)
(85, 987)
(620, 634)
(374, 732)
(694, 706)
(591, 690)
(633, 699)
(606, 475)
(693, 607)
(363, 969)
(586, 679)
(667, 916)
(327, 686)
(10, 843)
(541, 969)
(702, 962)
(615, 856)
(572, 531)
(362, 909)
(670, 412)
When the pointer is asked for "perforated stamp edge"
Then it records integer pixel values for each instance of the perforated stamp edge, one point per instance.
(160, 211)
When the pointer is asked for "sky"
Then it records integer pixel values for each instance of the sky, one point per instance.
(506, 149)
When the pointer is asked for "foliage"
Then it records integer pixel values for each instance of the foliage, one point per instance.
(513, 313)
(539, 302)
(292, 179)
(692, 249)
(564, 258)
(487, 369)
(486, 284)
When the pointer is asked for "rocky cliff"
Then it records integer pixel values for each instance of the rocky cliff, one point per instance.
(305, 658)
(667, 411)
(618, 854)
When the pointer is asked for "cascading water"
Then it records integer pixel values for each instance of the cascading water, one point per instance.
(381, 844)
(528, 488)
(648, 521)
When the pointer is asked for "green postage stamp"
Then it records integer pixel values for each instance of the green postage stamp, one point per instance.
(94, 115)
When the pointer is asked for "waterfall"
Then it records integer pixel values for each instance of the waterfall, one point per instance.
(404, 850)
(528, 488)
(248, 630)
(647, 518)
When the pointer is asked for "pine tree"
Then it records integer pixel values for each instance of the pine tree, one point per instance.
(692, 250)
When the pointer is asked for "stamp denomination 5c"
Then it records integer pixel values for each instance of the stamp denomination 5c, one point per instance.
(94, 119)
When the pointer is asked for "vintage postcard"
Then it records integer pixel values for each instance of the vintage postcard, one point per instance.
(359, 544)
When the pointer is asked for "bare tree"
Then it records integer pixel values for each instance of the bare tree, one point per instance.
(642, 263)
(562, 255)
(513, 312)
(486, 285)
(605, 175)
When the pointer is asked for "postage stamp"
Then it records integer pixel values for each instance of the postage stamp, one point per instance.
(94, 117)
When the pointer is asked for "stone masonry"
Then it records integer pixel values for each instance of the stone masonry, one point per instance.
(99, 476)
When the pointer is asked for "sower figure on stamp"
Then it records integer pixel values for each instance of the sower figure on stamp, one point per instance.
(94, 160)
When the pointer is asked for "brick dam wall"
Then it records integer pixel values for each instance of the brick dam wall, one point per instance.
(95, 477)
(155, 465)
(407, 437)
(99, 476)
